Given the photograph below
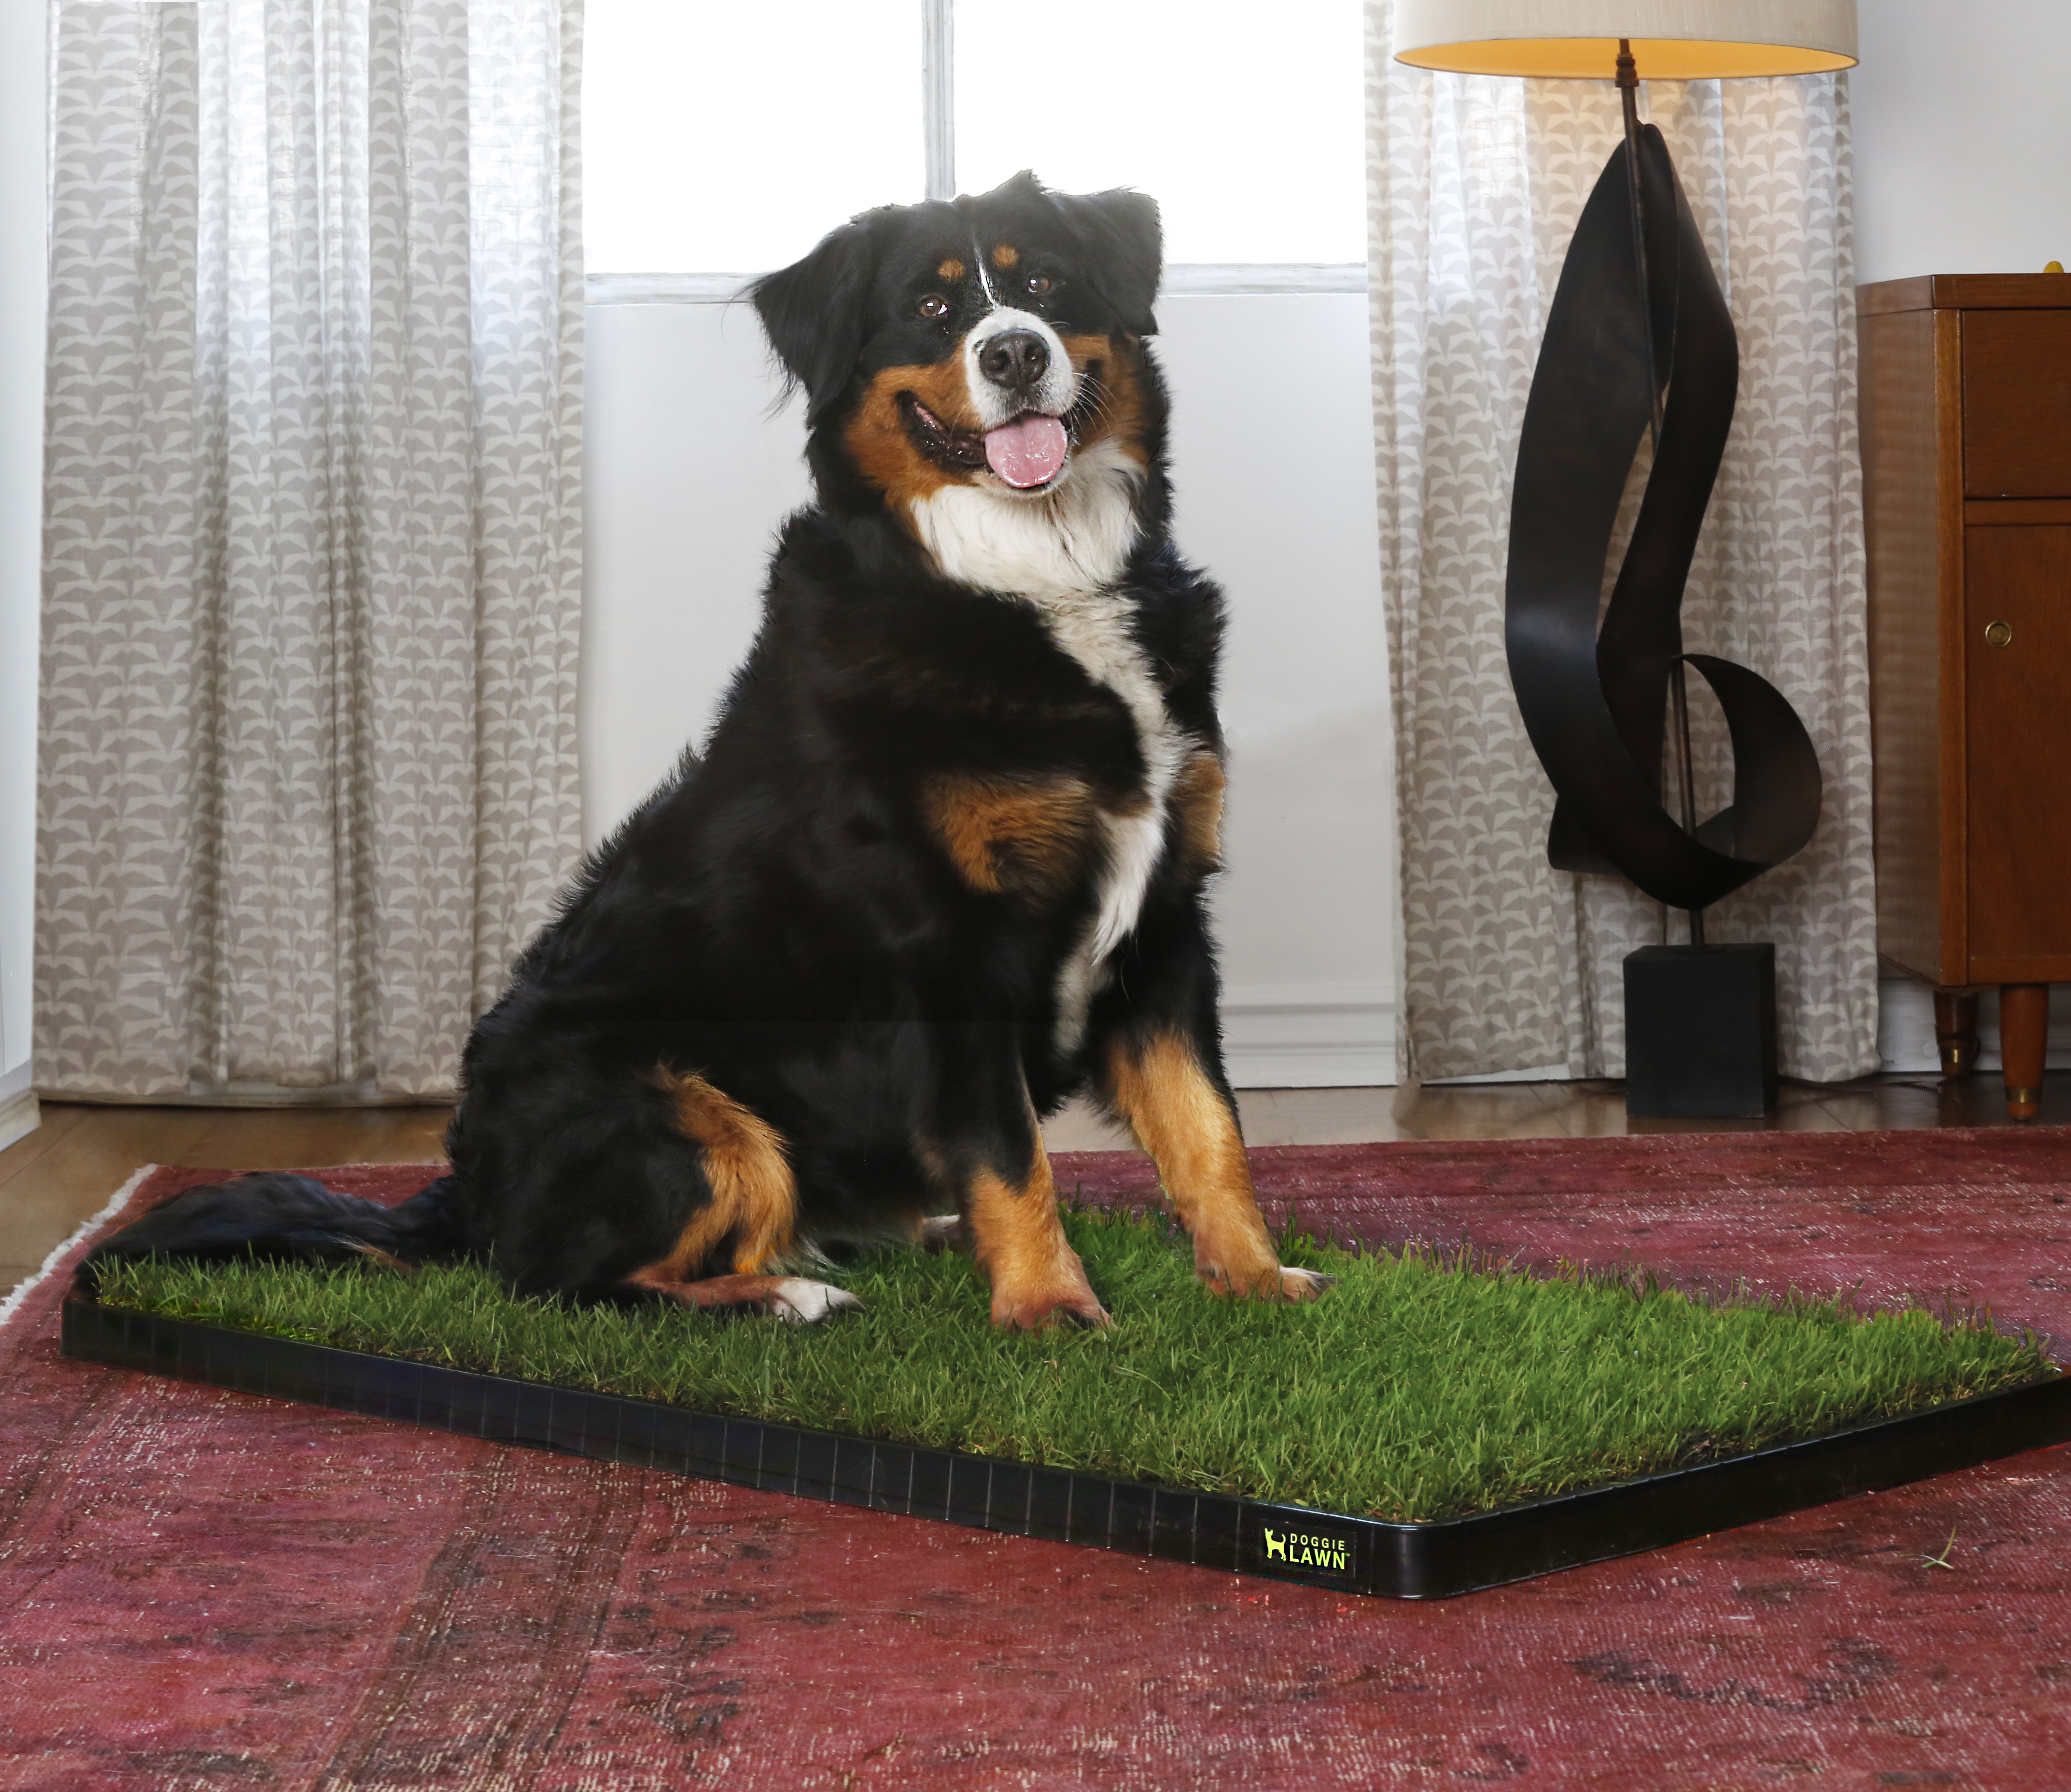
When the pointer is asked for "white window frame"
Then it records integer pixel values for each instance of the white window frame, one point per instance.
(938, 126)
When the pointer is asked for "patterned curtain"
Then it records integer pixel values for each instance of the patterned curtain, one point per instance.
(312, 542)
(1476, 186)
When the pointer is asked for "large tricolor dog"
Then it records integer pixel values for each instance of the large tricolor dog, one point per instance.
(939, 867)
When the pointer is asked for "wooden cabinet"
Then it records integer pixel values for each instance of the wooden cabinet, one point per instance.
(1966, 468)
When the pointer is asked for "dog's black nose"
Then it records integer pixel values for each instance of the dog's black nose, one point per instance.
(1014, 358)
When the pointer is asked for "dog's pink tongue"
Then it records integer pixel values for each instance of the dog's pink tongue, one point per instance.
(1027, 451)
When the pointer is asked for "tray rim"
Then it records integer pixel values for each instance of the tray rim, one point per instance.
(1388, 1558)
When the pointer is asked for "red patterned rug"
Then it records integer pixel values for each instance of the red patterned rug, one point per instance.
(204, 1590)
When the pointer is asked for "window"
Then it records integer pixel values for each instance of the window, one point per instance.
(722, 140)
(725, 138)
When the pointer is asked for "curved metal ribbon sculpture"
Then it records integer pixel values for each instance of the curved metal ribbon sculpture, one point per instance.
(1593, 699)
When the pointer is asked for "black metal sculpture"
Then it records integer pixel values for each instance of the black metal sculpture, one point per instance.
(1638, 338)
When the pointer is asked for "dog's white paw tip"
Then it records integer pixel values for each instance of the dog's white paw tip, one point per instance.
(1304, 1284)
(807, 1303)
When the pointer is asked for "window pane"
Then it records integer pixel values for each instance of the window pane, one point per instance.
(731, 138)
(1245, 122)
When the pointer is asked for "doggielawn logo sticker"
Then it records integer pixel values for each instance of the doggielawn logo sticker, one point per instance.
(1320, 1553)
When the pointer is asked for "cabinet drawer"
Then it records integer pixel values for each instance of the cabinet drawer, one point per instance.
(2017, 403)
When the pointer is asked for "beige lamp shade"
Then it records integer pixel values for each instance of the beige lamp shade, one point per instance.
(1672, 40)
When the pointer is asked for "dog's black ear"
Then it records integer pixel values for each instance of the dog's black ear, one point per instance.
(1022, 188)
(813, 313)
(1124, 249)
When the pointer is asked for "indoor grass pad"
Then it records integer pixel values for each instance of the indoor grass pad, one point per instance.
(1420, 1387)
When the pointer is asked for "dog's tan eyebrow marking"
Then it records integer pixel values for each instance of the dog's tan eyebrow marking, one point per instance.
(1006, 256)
(950, 269)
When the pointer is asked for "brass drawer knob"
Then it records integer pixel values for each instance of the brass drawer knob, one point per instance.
(1998, 635)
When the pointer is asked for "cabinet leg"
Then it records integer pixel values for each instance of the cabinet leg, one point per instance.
(2024, 1033)
(1956, 1031)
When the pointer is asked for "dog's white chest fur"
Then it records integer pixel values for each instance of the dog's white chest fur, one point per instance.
(1074, 539)
(1061, 553)
(1093, 627)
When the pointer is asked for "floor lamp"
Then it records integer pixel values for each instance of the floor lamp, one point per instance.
(1639, 346)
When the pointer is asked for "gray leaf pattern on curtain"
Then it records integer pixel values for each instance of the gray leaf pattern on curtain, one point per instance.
(313, 547)
(1475, 185)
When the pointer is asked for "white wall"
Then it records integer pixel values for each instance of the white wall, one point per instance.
(688, 476)
(1963, 140)
(1273, 464)
(21, 261)
(1962, 137)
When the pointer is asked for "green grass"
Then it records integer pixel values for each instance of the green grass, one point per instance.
(1421, 1387)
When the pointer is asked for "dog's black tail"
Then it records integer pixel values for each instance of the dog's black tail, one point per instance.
(274, 1214)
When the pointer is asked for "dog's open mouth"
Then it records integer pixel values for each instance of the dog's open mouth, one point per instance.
(1028, 452)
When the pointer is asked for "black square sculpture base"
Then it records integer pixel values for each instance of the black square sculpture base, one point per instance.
(1700, 1032)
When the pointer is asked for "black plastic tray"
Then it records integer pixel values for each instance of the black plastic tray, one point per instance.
(1246, 1536)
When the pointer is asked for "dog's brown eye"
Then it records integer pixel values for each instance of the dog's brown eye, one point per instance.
(934, 305)
(1037, 283)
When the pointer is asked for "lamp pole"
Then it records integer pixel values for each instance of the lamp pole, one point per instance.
(1628, 84)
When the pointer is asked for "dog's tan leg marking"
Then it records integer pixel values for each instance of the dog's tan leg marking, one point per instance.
(754, 1203)
(792, 1298)
(1027, 835)
(1180, 1117)
(1197, 806)
(1018, 1240)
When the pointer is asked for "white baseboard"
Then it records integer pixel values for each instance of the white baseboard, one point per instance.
(1309, 1035)
(1905, 1027)
(1342, 1036)
(20, 1117)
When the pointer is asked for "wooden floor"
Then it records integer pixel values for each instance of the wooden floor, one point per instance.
(66, 1170)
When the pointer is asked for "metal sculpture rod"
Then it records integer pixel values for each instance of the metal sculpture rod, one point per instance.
(1679, 694)
(1638, 339)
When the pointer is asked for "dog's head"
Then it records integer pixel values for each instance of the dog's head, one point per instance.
(990, 343)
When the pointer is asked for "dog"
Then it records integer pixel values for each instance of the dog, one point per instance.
(939, 867)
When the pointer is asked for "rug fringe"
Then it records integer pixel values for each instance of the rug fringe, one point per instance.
(115, 1203)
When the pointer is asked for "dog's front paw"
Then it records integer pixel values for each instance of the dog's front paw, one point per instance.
(1261, 1279)
(1303, 1285)
(807, 1303)
(1070, 1300)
